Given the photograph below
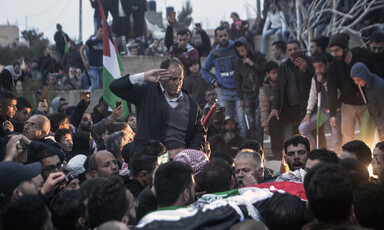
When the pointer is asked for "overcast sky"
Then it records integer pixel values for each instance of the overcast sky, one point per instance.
(44, 14)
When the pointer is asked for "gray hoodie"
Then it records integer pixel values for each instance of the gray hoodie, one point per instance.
(374, 90)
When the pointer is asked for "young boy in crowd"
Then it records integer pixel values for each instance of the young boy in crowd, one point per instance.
(266, 99)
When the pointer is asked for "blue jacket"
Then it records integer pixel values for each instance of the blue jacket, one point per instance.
(223, 59)
(374, 89)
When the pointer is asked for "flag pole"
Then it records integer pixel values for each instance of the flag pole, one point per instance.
(318, 117)
(362, 94)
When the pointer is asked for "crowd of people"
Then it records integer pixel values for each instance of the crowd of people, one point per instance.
(187, 159)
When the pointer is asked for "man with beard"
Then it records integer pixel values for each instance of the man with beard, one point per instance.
(353, 106)
(296, 149)
(278, 51)
(223, 58)
(103, 164)
(376, 45)
(7, 111)
(72, 58)
(378, 161)
(291, 91)
(228, 140)
(86, 123)
(319, 46)
(165, 111)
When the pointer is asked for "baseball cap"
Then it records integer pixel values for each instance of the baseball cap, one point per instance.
(13, 173)
(227, 118)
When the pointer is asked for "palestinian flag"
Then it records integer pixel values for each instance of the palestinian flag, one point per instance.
(321, 118)
(112, 66)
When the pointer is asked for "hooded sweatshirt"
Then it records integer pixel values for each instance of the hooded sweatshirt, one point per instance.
(249, 79)
(9, 77)
(374, 90)
(223, 59)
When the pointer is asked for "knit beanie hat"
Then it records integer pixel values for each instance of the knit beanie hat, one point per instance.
(340, 39)
(194, 158)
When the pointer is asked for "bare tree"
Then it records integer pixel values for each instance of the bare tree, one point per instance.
(306, 18)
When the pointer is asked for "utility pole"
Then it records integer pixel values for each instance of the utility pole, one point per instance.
(80, 20)
(258, 9)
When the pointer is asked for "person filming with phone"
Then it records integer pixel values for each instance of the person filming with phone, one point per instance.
(292, 90)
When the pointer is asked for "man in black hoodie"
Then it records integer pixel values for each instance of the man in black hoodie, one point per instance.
(249, 73)
(353, 106)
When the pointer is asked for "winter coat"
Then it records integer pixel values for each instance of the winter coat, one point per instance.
(339, 78)
(9, 77)
(374, 90)
(249, 78)
(265, 101)
(152, 113)
(303, 85)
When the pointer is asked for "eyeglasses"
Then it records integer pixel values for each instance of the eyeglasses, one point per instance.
(51, 168)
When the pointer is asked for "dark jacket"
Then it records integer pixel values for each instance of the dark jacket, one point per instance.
(134, 186)
(51, 66)
(60, 40)
(151, 107)
(147, 203)
(374, 90)
(97, 116)
(377, 64)
(36, 147)
(203, 48)
(339, 78)
(249, 79)
(107, 6)
(303, 85)
(78, 113)
(72, 58)
(8, 78)
(196, 86)
(81, 143)
(232, 147)
(17, 126)
(119, 22)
